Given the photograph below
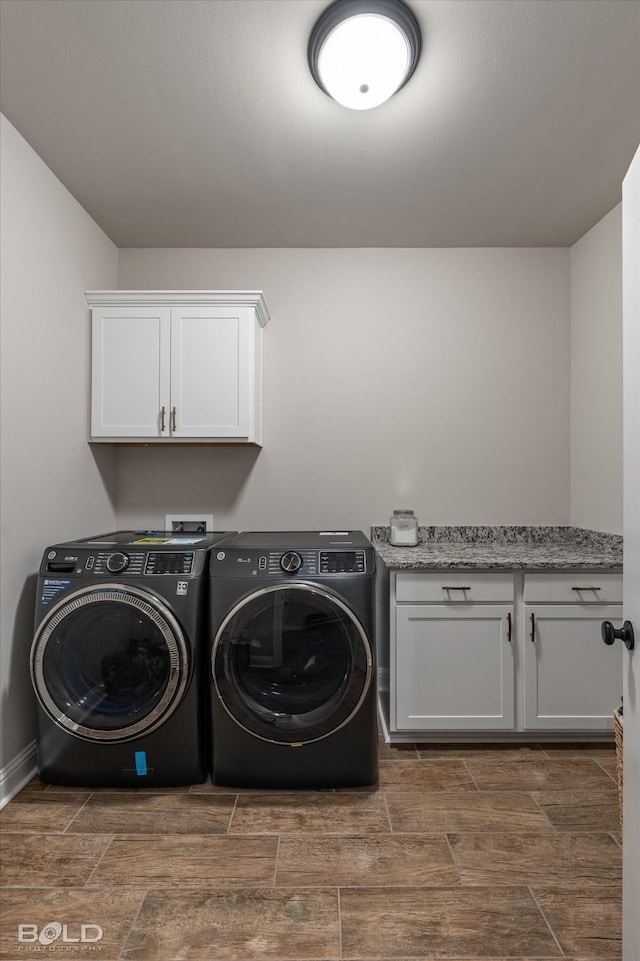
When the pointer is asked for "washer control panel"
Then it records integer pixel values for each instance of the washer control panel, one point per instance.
(164, 562)
(113, 563)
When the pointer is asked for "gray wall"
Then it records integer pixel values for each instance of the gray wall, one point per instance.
(596, 376)
(436, 379)
(51, 486)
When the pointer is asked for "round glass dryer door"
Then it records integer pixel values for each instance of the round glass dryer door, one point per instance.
(291, 664)
(109, 663)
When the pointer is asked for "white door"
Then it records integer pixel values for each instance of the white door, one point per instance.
(210, 372)
(631, 682)
(130, 371)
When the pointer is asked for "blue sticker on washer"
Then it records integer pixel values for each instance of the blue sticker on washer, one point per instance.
(141, 762)
(51, 588)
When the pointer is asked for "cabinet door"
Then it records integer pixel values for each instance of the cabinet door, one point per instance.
(130, 371)
(572, 681)
(211, 362)
(454, 667)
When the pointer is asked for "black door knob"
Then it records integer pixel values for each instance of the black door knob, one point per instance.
(625, 634)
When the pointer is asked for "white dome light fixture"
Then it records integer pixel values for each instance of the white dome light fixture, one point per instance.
(362, 51)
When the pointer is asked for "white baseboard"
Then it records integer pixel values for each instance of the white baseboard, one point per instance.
(17, 773)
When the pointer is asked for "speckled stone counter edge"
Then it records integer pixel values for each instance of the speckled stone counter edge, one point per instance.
(502, 548)
(569, 536)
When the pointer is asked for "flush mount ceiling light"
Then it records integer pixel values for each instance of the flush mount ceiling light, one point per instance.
(362, 51)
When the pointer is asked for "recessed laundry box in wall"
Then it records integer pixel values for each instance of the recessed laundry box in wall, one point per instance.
(176, 366)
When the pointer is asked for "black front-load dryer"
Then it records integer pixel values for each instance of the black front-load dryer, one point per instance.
(293, 702)
(118, 659)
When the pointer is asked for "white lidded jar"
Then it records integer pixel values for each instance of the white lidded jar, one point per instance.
(403, 529)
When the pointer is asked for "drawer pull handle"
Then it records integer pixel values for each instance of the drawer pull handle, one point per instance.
(162, 416)
(173, 419)
(586, 588)
(509, 627)
(532, 635)
(455, 587)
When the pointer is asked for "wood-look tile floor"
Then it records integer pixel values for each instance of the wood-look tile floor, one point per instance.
(483, 852)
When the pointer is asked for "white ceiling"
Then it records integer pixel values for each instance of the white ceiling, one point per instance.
(196, 123)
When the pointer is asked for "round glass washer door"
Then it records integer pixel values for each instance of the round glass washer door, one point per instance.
(109, 663)
(291, 664)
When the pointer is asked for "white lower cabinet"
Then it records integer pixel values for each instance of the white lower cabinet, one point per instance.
(454, 661)
(572, 681)
(487, 653)
(454, 667)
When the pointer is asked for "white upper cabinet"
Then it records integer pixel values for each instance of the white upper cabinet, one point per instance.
(177, 366)
(211, 372)
(131, 377)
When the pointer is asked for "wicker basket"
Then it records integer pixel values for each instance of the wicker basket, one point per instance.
(617, 731)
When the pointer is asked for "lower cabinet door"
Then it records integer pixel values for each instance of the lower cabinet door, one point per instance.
(454, 667)
(572, 681)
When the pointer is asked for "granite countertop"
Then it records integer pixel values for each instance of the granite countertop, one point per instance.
(502, 548)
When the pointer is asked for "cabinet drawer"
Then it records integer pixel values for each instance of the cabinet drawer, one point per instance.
(585, 588)
(455, 588)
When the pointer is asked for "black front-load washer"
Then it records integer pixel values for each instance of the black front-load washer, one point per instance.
(118, 659)
(293, 700)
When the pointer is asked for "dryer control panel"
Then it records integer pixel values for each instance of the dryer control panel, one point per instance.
(342, 562)
(284, 564)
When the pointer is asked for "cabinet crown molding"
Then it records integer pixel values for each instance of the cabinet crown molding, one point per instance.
(155, 298)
